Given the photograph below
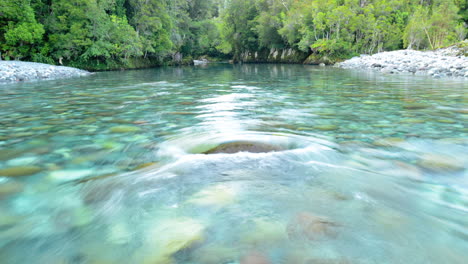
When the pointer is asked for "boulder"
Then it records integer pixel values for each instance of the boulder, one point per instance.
(243, 146)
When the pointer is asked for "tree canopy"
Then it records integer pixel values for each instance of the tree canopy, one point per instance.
(105, 34)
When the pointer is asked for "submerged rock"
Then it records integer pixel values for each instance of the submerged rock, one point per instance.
(415, 106)
(215, 254)
(243, 146)
(20, 171)
(437, 162)
(389, 142)
(169, 236)
(255, 258)
(6, 154)
(217, 195)
(119, 234)
(69, 175)
(124, 129)
(311, 227)
(10, 187)
(326, 127)
(265, 232)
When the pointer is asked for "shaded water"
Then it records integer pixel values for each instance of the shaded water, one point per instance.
(110, 168)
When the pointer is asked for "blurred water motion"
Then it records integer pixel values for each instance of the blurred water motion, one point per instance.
(157, 166)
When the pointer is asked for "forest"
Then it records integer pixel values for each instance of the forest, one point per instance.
(117, 34)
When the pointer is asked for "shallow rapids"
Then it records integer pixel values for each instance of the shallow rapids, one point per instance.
(247, 164)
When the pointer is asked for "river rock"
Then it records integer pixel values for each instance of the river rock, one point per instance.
(217, 195)
(403, 169)
(327, 261)
(255, 258)
(438, 64)
(265, 232)
(169, 236)
(9, 187)
(144, 165)
(124, 129)
(326, 127)
(69, 175)
(13, 71)
(389, 142)
(6, 154)
(311, 227)
(415, 106)
(215, 254)
(243, 146)
(20, 171)
(119, 234)
(22, 161)
(441, 163)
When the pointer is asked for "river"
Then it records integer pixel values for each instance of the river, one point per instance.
(339, 166)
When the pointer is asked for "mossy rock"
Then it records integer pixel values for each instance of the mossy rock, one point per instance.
(243, 146)
(20, 171)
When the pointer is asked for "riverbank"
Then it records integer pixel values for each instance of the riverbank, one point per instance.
(439, 63)
(14, 71)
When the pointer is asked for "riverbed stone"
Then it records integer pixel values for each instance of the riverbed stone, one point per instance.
(255, 257)
(216, 195)
(144, 165)
(18, 171)
(168, 236)
(69, 175)
(305, 225)
(22, 161)
(415, 106)
(6, 154)
(215, 254)
(10, 187)
(124, 129)
(389, 142)
(441, 163)
(446, 121)
(264, 232)
(326, 127)
(119, 233)
(243, 146)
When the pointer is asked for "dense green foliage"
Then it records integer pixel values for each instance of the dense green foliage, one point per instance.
(109, 34)
(340, 28)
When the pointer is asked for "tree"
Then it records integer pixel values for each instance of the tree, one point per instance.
(152, 24)
(20, 34)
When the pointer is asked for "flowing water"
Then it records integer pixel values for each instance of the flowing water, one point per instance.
(327, 166)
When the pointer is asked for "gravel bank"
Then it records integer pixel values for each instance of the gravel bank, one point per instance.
(440, 63)
(13, 71)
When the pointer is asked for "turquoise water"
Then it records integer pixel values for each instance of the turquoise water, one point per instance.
(368, 168)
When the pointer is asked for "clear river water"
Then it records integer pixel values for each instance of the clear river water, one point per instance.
(249, 164)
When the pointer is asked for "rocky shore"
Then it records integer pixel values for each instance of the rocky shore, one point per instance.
(13, 71)
(440, 63)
